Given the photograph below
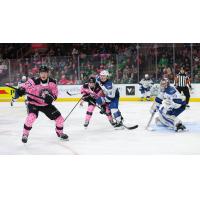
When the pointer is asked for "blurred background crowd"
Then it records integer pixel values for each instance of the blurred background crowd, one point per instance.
(74, 63)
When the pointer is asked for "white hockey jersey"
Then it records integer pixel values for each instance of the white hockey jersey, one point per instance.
(146, 83)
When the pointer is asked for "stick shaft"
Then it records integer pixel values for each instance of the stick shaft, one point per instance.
(73, 109)
(26, 92)
(150, 120)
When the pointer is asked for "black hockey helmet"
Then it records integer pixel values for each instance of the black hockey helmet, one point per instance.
(92, 80)
(43, 68)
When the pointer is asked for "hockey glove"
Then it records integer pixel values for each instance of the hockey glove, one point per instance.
(89, 99)
(21, 91)
(85, 97)
(48, 99)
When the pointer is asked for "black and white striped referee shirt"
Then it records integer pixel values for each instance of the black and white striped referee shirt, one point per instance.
(182, 80)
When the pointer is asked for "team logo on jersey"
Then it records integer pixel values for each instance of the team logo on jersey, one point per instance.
(130, 90)
(44, 92)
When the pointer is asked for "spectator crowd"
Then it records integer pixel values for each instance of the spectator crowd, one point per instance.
(74, 63)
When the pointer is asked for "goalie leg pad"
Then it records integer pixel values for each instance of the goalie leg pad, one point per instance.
(178, 111)
(165, 121)
(168, 120)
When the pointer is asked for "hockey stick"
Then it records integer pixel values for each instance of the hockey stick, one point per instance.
(26, 92)
(127, 127)
(150, 120)
(73, 109)
(70, 94)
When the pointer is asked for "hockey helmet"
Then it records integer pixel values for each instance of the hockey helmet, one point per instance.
(146, 76)
(43, 68)
(104, 73)
(92, 80)
(23, 78)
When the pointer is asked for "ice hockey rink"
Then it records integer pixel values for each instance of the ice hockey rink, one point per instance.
(99, 137)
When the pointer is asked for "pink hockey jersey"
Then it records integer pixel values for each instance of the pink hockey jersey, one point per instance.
(93, 92)
(37, 87)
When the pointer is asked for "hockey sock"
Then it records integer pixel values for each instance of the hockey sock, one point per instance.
(89, 112)
(28, 123)
(59, 125)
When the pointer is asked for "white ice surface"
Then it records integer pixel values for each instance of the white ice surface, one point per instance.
(99, 137)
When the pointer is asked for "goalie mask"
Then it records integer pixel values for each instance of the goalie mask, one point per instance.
(164, 83)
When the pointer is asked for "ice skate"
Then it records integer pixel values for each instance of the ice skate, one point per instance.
(64, 136)
(180, 127)
(24, 138)
(86, 124)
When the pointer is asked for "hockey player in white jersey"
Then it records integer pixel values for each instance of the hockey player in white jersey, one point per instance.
(170, 105)
(111, 97)
(145, 86)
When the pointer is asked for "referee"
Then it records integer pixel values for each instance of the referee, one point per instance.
(181, 82)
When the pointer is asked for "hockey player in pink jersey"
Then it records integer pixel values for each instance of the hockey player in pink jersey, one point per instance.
(91, 91)
(44, 87)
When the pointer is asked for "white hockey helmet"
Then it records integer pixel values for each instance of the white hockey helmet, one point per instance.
(164, 83)
(23, 78)
(146, 76)
(104, 73)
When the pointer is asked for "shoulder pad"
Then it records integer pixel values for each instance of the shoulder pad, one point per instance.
(108, 84)
(36, 80)
(52, 80)
(85, 85)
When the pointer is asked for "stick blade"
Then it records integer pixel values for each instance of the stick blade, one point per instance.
(131, 127)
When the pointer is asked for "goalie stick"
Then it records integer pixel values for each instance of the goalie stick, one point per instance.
(150, 120)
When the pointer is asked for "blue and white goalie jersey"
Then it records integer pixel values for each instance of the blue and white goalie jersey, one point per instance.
(170, 98)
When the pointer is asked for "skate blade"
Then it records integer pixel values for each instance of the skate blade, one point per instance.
(182, 131)
(150, 129)
(119, 128)
(61, 139)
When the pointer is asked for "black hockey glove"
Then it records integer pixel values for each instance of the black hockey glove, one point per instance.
(21, 91)
(89, 99)
(48, 99)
